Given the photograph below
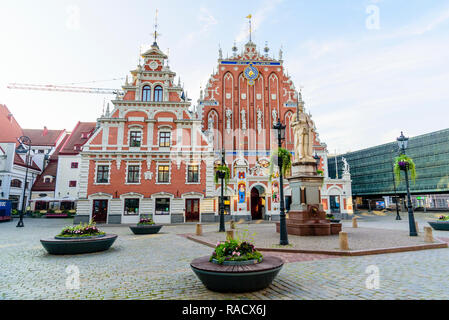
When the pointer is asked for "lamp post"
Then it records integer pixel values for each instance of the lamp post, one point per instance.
(283, 226)
(402, 143)
(317, 160)
(221, 176)
(24, 140)
(398, 217)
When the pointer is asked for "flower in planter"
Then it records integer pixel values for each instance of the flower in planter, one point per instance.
(145, 222)
(81, 230)
(233, 250)
(443, 218)
(330, 216)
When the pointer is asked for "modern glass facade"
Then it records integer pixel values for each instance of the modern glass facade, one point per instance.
(372, 168)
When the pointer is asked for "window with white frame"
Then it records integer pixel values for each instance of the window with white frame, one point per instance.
(131, 206)
(162, 206)
(158, 93)
(163, 173)
(192, 173)
(133, 173)
(102, 173)
(135, 138)
(164, 138)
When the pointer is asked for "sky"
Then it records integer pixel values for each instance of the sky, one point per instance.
(368, 69)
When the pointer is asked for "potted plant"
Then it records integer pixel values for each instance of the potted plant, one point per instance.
(319, 172)
(145, 226)
(441, 224)
(236, 266)
(331, 218)
(82, 238)
(222, 171)
(286, 157)
(402, 163)
(15, 212)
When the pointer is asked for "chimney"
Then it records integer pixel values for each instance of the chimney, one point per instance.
(44, 133)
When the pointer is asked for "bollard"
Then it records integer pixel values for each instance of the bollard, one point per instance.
(232, 224)
(230, 235)
(199, 229)
(343, 236)
(416, 227)
(354, 222)
(428, 236)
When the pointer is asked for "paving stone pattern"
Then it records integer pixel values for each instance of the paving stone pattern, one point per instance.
(157, 267)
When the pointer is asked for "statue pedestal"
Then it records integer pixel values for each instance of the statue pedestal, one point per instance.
(306, 216)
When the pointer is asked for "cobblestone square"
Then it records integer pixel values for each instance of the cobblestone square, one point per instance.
(157, 267)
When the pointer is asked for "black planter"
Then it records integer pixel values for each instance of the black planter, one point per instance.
(78, 245)
(245, 278)
(145, 229)
(439, 225)
(335, 220)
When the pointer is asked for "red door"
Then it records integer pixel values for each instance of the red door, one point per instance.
(193, 210)
(100, 211)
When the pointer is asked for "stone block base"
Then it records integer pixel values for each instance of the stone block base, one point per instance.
(311, 229)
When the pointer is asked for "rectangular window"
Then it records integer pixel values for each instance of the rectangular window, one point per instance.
(72, 184)
(74, 165)
(192, 173)
(131, 206)
(103, 174)
(164, 139)
(162, 206)
(135, 138)
(40, 151)
(133, 174)
(163, 174)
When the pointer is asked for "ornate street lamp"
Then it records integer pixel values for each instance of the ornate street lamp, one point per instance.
(280, 128)
(24, 140)
(221, 176)
(317, 160)
(402, 143)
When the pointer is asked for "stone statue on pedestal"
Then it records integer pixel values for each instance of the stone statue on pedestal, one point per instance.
(303, 131)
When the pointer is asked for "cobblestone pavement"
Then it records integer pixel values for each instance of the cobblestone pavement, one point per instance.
(157, 267)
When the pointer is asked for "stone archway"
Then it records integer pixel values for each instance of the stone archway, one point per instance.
(258, 205)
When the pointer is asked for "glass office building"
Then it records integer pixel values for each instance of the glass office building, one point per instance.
(372, 171)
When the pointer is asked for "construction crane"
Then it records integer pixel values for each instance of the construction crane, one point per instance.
(64, 88)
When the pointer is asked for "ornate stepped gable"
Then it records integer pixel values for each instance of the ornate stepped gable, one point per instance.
(152, 103)
(244, 98)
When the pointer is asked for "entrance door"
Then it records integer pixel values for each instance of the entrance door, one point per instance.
(100, 211)
(192, 210)
(334, 204)
(256, 204)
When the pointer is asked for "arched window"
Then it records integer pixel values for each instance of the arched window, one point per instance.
(15, 183)
(158, 93)
(146, 93)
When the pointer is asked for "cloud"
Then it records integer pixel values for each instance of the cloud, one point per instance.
(359, 89)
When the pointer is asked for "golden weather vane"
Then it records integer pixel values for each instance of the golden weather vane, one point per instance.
(249, 17)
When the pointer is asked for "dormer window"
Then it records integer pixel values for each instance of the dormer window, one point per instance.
(146, 93)
(84, 135)
(158, 94)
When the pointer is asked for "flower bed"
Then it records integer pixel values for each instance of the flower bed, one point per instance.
(441, 224)
(231, 252)
(83, 238)
(79, 231)
(236, 267)
(145, 226)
